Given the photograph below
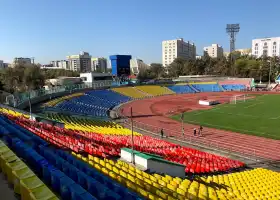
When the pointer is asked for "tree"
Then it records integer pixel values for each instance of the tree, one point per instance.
(157, 70)
(33, 78)
(176, 67)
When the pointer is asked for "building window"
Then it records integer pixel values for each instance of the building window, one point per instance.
(256, 46)
(265, 49)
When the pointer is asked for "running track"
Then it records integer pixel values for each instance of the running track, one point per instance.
(152, 114)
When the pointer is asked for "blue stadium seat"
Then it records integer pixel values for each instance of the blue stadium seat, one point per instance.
(66, 175)
(94, 103)
(207, 87)
(180, 89)
(233, 87)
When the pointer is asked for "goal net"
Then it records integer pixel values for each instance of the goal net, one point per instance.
(238, 98)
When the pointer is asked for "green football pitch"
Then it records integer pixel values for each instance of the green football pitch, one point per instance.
(259, 116)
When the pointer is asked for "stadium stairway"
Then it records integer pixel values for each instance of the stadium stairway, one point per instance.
(130, 92)
(154, 90)
(206, 86)
(142, 92)
(221, 87)
(193, 88)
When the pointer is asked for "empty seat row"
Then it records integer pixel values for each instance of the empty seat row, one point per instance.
(181, 89)
(56, 101)
(207, 87)
(49, 165)
(42, 168)
(90, 125)
(155, 90)
(130, 92)
(25, 182)
(235, 87)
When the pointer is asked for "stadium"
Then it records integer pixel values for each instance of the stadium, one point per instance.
(138, 142)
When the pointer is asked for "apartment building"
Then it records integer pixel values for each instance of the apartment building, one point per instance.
(178, 48)
(80, 62)
(266, 47)
(214, 51)
(99, 65)
(60, 64)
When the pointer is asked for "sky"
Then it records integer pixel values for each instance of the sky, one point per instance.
(52, 29)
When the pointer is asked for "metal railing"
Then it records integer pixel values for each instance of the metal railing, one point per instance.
(15, 100)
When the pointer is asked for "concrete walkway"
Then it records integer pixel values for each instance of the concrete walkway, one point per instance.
(6, 191)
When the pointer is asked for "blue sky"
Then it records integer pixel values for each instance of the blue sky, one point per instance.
(52, 29)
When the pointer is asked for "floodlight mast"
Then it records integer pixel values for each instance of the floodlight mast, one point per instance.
(232, 30)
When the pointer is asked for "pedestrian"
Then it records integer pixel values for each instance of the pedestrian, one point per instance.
(194, 132)
(200, 130)
(161, 133)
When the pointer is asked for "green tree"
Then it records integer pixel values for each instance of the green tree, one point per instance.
(157, 70)
(33, 78)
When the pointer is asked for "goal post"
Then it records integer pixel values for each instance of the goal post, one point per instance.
(238, 98)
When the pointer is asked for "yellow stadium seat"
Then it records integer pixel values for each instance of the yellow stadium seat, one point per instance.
(171, 187)
(109, 167)
(11, 166)
(102, 163)
(90, 157)
(19, 175)
(29, 184)
(42, 192)
(105, 171)
(97, 166)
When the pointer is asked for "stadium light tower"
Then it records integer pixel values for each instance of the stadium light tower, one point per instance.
(232, 30)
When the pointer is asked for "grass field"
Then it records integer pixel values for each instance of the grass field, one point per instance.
(259, 116)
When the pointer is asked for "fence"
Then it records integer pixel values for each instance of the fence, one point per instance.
(17, 99)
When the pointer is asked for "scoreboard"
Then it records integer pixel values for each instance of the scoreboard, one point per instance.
(120, 65)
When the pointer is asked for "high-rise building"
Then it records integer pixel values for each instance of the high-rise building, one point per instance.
(214, 51)
(81, 62)
(99, 65)
(23, 61)
(178, 48)
(61, 64)
(136, 65)
(266, 47)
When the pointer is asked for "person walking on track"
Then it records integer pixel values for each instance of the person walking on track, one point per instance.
(194, 132)
(161, 133)
(200, 130)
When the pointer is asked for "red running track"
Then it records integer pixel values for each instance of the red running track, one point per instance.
(153, 114)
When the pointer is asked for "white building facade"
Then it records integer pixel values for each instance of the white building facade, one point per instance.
(266, 47)
(60, 64)
(214, 51)
(136, 65)
(81, 62)
(178, 48)
(99, 65)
